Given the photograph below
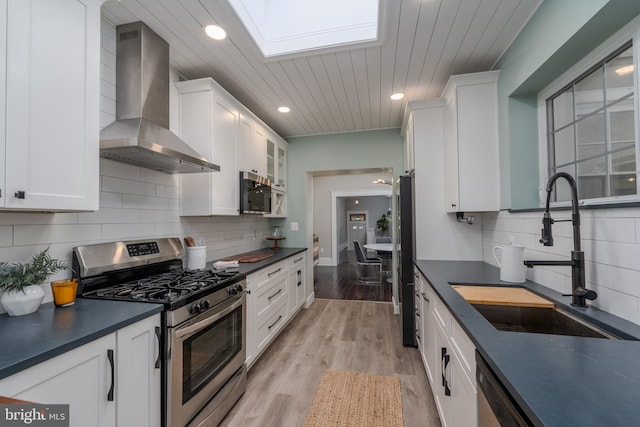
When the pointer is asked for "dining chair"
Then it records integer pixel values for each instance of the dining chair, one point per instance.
(362, 260)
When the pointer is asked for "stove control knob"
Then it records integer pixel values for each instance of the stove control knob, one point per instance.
(204, 304)
(195, 309)
(235, 290)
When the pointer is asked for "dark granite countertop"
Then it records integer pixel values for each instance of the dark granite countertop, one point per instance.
(556, 380)
(33, 338)
(279, 255)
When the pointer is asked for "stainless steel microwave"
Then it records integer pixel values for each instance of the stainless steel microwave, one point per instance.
(255, 194)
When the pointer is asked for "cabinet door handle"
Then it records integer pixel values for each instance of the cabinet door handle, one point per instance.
(444, 361)
(113, 374)
(157, 364)
(273, 296)
(275, 323)
(417, 313)
(298, 260)
(424, 297)
(274, 272)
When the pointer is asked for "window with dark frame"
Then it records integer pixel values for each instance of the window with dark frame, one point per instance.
(592, 130)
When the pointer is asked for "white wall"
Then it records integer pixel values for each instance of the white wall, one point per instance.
(610, 241)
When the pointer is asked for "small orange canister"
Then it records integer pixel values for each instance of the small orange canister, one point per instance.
(64, 292)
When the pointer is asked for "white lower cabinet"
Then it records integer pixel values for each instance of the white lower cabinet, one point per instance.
(274, 295)
(138, 368)
(448, 356)
(99, 392)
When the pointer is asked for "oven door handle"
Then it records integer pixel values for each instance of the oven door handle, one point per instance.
(190, 329)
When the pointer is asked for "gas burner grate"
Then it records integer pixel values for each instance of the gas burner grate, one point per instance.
(165, 287)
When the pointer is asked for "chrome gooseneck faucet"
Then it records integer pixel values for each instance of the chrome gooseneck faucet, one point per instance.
(579, 294)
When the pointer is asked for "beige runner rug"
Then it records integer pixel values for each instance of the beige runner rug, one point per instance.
(354, 399)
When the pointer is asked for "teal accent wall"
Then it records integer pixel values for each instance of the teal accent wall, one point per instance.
(560, 33)
(341, 151)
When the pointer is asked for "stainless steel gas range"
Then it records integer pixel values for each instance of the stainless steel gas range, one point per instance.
(204, 321)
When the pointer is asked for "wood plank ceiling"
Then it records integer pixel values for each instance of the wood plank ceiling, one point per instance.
(425, 42)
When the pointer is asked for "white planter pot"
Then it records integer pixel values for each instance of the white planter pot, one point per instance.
(26, 301)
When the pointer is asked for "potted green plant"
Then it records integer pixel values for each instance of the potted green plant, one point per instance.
(21, 283)
(383, 224)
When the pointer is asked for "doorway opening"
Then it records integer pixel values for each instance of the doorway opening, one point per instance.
(346, 207)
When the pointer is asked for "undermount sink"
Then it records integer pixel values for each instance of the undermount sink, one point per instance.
(517, 309)
(538, 320)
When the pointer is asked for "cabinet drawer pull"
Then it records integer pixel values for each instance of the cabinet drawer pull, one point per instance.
(274, 272)
(424, 297)
(20, 195)
(157, 364)
(273, 296)
(113, 375)
(417, 313)
(298, 260)
(274, 323)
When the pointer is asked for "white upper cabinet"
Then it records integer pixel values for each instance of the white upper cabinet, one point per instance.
(277, 161)
(49, 108)
(472, 168)
(253, 146)
(209, 120)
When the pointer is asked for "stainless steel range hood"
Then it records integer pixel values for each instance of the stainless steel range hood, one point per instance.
(140, 135)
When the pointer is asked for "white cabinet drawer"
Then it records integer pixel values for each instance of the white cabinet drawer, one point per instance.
(270, 294)
(464, 350)
(296, 261)
(442, 315)
(270, 325)
(271, 272)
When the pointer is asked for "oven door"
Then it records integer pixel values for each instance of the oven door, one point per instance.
(204, 353)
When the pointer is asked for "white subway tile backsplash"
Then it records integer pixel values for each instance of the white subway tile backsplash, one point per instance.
(130, 201)
(167, 192)
(28, 218)
(6, 235)
(55, 233)
(109, 216)
(610, 241)
(120, 170)
(155, 177)
(128, 231)
(622, 305)
(127, 186)
(623, 280)
(110, 200)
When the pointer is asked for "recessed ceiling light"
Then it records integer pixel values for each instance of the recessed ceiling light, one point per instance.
(397, 95)
(624, 70)
(284, 109)
(215, 32)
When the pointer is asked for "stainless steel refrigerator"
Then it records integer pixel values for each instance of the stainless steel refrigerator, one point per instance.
(407, 250)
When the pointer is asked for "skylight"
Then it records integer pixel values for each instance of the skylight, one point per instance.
(281, 27)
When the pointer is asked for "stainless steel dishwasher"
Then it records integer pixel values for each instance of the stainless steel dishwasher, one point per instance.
(496, 407)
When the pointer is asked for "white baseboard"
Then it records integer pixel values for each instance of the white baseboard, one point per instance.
(310, 299)
(325, 261)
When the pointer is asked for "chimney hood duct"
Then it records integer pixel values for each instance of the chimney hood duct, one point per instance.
(140, 135)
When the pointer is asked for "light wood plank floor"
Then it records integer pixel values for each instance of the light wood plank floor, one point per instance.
(332, 334)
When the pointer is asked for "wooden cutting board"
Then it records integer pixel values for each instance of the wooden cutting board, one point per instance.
(249, 257)
(495, 295)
